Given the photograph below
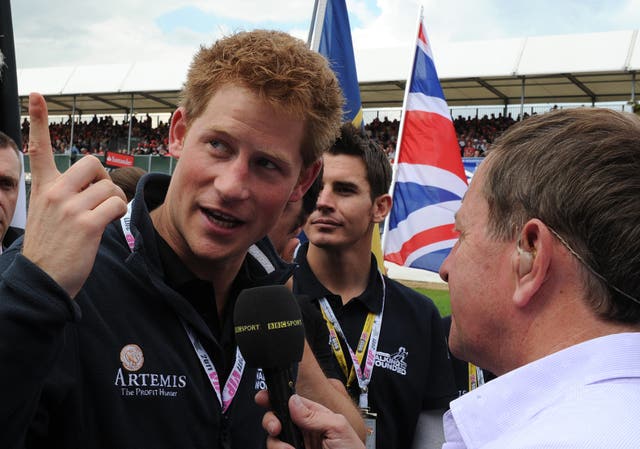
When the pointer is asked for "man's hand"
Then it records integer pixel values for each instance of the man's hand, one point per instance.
(67, 212)
(314, 385)
(320, 427)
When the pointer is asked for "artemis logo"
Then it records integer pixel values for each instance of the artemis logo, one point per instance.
(133, 383)
(149, 380)
(132, 357)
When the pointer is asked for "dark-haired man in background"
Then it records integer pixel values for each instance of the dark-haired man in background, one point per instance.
(388, 344)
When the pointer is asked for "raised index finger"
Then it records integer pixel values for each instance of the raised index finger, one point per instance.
(43, 167)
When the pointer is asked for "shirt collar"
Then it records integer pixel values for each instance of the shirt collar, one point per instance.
(371, 297)
(252, 273)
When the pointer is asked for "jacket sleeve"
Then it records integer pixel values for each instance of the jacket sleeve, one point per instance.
(34, 312)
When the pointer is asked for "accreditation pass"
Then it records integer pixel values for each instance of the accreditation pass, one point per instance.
(370, 426)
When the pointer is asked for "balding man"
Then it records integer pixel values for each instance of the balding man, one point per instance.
(544, 290)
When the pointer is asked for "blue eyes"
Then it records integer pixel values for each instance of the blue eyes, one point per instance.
(217, 145)
(223, 149)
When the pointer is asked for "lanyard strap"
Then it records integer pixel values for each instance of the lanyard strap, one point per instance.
(233, 381)
(476, 376)
(125, 222)
(337, 347)
(370, 334)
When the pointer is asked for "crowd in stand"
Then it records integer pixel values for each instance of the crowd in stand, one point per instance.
(101, 134)
(475, 135)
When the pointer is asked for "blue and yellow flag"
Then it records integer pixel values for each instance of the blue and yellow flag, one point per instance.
(331, 36)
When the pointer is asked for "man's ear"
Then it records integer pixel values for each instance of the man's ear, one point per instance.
(531, 260)
(381, 207)
(177, 131)
(306, 178)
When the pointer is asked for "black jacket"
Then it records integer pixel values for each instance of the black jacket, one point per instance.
(64, 379)
(11, 236)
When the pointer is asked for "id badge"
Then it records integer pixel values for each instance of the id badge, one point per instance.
(370, 426)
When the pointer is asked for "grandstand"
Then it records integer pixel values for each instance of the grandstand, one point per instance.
(579, 68)
(501, 77)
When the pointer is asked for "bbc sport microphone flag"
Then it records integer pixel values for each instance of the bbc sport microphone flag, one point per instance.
(430, 179)
(332, 38)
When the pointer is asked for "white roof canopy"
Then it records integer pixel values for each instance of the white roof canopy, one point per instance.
(588, 68)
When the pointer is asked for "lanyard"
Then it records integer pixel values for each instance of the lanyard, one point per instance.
(231, 385)
(370, 334)
(476, 376)
(233, 381)
(335, 342)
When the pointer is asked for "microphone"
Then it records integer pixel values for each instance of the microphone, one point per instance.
(270, 335)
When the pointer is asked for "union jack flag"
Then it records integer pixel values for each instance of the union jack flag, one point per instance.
(429, 178)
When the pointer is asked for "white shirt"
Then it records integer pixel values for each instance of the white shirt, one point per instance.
(586, 396)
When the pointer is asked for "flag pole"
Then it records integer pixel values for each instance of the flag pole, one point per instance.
(314, 14)
(317, 23)
(401, 129)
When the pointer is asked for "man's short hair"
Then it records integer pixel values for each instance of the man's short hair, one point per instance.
(577, 170)
(354, 143)
(8, 142)
(282, 70)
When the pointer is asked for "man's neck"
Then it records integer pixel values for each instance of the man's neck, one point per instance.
(344, 273)
(220, 273)
(567, 320)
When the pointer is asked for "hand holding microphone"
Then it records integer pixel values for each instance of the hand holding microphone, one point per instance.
(270, 335)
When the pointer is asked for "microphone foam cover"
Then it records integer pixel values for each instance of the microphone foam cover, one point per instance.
(268, 327)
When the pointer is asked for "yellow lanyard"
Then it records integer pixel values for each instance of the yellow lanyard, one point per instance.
(476, 377)
(361, 365)
(360, 350)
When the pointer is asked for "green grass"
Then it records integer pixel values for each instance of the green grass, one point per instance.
(440, 298)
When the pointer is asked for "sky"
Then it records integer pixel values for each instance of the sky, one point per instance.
(74, 32)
